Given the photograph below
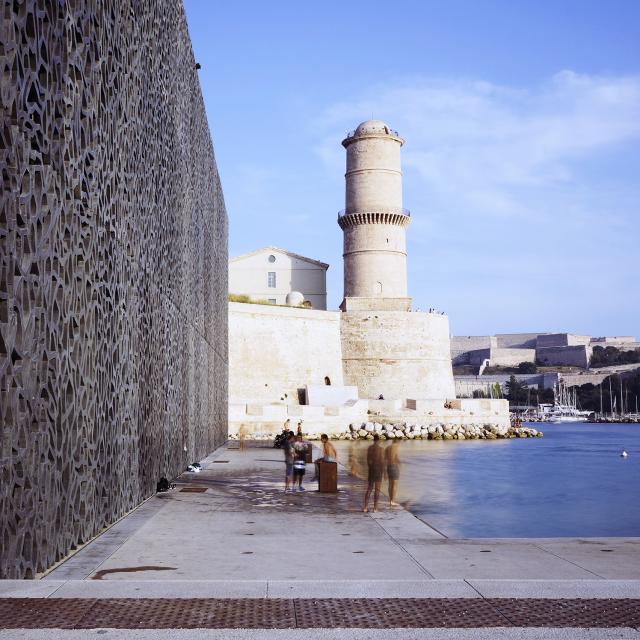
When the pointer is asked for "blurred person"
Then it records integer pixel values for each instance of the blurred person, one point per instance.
(375, 465)
(289, 456)
(392, 460)
(242, 435)
(354, 459)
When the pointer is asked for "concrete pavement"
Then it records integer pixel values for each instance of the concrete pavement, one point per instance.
(241, 536)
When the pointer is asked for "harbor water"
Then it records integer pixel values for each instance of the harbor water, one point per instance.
(572, 482)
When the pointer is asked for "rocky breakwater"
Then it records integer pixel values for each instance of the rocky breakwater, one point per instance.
(405, 431)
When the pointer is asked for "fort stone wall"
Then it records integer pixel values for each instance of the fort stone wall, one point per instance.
(275, 351)
(397, 354)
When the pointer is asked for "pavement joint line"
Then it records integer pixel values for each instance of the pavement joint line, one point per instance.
(424, 522)
(575, 564)
(475, 589)
(398, 544)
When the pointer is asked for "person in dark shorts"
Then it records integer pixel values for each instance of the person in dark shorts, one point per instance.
(299, 461)
(392, 459)
(375, 464)
(289, 456)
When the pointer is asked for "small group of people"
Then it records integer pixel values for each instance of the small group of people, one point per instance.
(381, 462)
(296, 451)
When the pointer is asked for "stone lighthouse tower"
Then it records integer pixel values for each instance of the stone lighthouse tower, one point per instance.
(373, 221)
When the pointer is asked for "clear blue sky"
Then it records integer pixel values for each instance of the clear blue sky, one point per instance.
(522, 161)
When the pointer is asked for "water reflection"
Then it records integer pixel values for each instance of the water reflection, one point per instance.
(572, 482)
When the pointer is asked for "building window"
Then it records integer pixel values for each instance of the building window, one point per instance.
(272, 300)
(272, 258)
(271, 279)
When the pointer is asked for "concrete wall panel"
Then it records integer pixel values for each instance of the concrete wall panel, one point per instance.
(113, 270)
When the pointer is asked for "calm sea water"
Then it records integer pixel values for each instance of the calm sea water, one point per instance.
(571, 482)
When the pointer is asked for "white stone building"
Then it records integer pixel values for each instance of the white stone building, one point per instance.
(272, 274)
(373, 357)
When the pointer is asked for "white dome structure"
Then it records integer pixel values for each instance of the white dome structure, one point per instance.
(294, 299)
(372, 127)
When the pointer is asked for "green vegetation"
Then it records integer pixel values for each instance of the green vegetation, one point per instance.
(523, 367)
(494, 392)
(608, 356)
(589, 394)
(518, 393)
(237, 297)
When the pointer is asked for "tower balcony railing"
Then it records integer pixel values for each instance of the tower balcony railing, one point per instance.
(404, 212)
(352, 133)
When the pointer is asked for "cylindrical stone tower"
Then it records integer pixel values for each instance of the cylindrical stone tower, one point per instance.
(373, 221)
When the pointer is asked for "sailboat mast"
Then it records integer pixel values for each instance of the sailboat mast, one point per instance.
(610, 397)
(601, 398)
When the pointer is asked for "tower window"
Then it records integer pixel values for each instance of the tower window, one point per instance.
(271, 279)
(272, 258)
(327, 381)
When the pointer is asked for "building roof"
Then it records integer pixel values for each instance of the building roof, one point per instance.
(372, 126)
(324, 265)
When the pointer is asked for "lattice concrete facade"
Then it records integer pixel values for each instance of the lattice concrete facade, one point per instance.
(113, 269)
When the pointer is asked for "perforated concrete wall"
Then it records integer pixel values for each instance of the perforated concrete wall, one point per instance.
(113, 269)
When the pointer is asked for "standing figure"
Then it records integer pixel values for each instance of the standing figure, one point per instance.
(375, 463)
(289, 455)
(299, 461)
(392, 459)
(242, 435)
(281, 438)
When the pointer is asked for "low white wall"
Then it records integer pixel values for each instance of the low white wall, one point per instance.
(275, 351)
(511, 357)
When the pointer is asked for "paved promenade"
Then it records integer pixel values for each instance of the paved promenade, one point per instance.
(228, 548)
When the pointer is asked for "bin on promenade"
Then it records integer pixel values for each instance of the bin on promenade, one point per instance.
(328, 477)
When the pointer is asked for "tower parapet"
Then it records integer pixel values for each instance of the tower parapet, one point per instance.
(374, 221)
